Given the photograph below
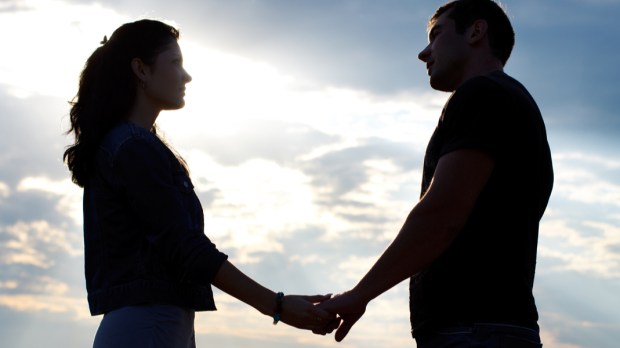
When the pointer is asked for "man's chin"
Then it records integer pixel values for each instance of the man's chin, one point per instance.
(440, 85)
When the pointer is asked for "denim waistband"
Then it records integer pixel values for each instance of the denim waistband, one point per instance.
(482, 329)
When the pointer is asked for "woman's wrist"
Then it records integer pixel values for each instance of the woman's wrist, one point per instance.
(277, 312)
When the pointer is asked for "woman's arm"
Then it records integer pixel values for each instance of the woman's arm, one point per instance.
(297, 311)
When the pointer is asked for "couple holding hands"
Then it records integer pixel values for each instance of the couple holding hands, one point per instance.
(468, 246)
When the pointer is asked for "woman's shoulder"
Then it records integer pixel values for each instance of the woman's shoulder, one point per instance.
(127, 134)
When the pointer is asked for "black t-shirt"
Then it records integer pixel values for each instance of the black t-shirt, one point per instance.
(487, 273)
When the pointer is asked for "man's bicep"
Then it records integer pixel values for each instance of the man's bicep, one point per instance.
(460, 177)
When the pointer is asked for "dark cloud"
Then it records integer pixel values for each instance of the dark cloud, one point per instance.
(208, 197)
(569, 62)
(344, 170)
(361, 44)
(339, 172)
(614, 248)
(31, 206)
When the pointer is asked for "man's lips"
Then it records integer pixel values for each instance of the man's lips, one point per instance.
(428, 67)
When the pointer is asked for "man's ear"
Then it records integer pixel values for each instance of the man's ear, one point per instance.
(477, 31)
(140, 69)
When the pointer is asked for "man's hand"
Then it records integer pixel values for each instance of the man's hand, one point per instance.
(301, 312)
(349, 306)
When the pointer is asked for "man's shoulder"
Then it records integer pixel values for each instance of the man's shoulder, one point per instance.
(495, 82)
(494, 88)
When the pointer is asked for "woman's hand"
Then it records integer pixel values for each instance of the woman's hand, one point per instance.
(301, 312)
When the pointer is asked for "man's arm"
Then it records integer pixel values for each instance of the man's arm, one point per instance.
(429, 229)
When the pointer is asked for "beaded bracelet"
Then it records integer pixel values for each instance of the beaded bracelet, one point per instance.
(278, 312)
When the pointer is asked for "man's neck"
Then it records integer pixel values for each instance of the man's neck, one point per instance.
(481, 68)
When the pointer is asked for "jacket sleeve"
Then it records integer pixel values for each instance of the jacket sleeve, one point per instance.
(159, 200)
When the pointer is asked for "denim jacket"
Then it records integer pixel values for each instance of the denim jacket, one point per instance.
(144, 228)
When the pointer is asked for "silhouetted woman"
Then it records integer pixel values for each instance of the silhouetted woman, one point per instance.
(149, 265)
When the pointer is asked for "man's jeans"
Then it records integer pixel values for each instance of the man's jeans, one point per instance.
(481, 335)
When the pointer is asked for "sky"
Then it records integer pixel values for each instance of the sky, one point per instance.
(304, 129)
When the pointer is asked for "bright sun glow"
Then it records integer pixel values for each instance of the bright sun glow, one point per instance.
(228, 90)
(48, 43)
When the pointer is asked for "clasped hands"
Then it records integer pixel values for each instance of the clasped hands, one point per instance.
(323, 313)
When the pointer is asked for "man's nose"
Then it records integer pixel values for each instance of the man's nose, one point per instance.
(424, 54)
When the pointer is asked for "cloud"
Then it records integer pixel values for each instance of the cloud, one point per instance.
(567, 331)
(552, 338)
(39, 285)
(608, 163)
(591, 247)
(571, 238)
(277, 141)
(324, 41)
(68, 194)
(74, 306)
(35, 243)
(354, 267)
(33, 138)
(308, 259)
(251, 211)
(230, 96)
(344, 170)
(14, 6)
(255, 200)
(587, 101)
(5, 191)
(587, 179)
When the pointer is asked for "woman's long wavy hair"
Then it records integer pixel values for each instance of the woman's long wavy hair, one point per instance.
(107, 89)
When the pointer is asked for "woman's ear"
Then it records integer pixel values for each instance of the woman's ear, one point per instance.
(140, 69)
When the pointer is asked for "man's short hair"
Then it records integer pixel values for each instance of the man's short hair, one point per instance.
(466, 12)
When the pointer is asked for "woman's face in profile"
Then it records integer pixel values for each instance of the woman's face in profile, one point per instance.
(166, 84)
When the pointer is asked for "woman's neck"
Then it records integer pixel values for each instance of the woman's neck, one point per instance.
(143, 113)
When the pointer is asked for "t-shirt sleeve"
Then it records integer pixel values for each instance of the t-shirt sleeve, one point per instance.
(156, 197)
(476, 117)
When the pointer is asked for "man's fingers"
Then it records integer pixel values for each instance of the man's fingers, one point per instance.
(327, 329)
(333, 325)
(344, 328)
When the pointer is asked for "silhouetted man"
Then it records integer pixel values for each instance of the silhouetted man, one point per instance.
(469, 244)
